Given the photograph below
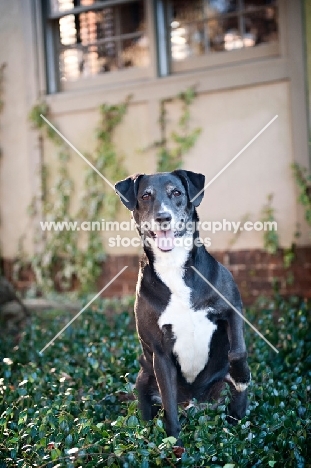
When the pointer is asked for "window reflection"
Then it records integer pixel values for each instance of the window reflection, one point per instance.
(201, 27)
(100, 41)
(64, 5)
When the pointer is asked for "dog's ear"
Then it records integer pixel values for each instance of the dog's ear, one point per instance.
(194, 184)
(127, 190)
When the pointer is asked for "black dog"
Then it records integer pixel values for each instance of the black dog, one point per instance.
(192, 340)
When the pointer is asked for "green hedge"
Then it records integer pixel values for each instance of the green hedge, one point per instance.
(73, 407)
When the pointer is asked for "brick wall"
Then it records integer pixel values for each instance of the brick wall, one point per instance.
(255, 272)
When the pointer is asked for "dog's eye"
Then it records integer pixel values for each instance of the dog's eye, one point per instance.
(146, 196)
(176, 193)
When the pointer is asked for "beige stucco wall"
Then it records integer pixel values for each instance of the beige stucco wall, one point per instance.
(231, 119)
(307, 26)
(15, 168)
(232, 106)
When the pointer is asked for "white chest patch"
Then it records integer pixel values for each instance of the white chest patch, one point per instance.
(192, 329)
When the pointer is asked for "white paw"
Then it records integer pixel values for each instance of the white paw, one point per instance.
(240, 387)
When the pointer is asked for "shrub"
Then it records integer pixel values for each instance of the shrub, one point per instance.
(73, 405)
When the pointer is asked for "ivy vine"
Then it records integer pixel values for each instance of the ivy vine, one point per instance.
(61, 262)
(270, 237)
(303, 181)
(172, 148)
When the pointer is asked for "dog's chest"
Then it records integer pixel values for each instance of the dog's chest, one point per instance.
(191, 328)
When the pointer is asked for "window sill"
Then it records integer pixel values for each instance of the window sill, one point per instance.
(226, 57)
(106, 79)
(87, 94)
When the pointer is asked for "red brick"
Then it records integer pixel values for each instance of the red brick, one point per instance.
(254, 271)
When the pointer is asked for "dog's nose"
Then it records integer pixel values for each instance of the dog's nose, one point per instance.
(163, 217)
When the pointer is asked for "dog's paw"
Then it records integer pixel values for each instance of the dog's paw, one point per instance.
(239, 386)
(239, 375)
(232, 420)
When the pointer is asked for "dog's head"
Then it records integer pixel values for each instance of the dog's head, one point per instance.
(163, 204)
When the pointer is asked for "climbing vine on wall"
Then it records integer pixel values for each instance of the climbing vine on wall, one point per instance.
(171, 148)
(270, 237)
(303, 181)
(62, 261)
(100, 202)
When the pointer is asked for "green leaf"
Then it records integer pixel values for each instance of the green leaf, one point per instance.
(132, 421)
(55, 453)
(170, 440)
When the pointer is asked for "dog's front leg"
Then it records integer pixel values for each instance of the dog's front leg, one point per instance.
(238, 368)
(166, 375)
(239, 374)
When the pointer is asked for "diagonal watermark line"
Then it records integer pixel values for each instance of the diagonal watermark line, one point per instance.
(235, 309)
(81, 155)
(82, 310)
(236, 156)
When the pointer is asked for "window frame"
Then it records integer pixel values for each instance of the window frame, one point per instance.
(55, 84)
(161, 65)
(210, 60)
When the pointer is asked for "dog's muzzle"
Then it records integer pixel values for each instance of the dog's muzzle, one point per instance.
(164, 239)
(163, 235)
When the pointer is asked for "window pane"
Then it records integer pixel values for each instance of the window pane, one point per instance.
(187, 40)
(251, 4)
(86, 2)
(95, 25)
(65, 5)
(132, 17)
(206, 26)
(70, 63)
(135, 52)
(221, 7)
(99, 41)
(76, 62)
(183, 10)
(224, 34)
(67, 30)
(261, 26)
(107, 57)
(88, 27)
(61, 5)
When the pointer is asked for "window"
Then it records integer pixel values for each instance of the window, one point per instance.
(114, 38)
(92, 37)
(208, 27)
